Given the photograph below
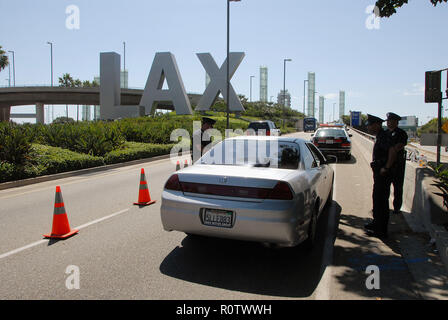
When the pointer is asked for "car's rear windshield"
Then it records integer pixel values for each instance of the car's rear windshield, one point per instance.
(254, 153)
(259, 125)
(330, 133)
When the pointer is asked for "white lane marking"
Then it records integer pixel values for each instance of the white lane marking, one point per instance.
(323, 289)
(102, 219)
(10, 253)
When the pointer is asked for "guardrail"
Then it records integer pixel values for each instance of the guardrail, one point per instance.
(412, 153)
(369, 136)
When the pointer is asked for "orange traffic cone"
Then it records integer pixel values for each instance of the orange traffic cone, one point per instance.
(178, 165)
(186, 163)
(144, 199)
(61, 227)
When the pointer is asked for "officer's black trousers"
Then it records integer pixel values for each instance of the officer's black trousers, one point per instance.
(380, 197)
(397, 182)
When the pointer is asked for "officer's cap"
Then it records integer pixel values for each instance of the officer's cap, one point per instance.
(393, 116)
(373, 119)
(208, 120)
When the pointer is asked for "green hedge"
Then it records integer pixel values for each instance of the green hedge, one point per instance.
(135, 151)
(46, 160)
(7, 171)
(50, 160)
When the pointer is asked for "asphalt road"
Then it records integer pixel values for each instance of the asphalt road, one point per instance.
(122, 252)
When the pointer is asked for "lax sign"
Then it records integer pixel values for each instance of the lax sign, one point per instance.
(164, 67)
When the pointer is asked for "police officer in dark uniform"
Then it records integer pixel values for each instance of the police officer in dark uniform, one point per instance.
(200, 141)
(399, 139)
(381, 164)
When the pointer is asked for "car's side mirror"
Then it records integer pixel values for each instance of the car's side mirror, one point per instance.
(332, 159)
(312, 134)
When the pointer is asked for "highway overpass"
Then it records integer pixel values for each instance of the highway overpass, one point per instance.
(40, 96)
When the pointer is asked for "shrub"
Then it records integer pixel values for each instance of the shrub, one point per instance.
(136, 150)
(14, 144)
(7, 171)
(50, 160)
(441, 173)
(95, 139)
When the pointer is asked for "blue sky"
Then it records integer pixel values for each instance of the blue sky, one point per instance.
(381, 70)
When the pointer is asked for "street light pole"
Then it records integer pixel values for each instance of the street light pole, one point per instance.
(284, 81)
(13, 67)
(284, 88)
(228, 62)
(124, 54)
(250, 99)
(51, 60)
(9, 78)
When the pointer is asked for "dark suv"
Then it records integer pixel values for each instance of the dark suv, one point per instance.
(267, 125)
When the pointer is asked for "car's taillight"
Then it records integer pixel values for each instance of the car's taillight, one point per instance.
(173, 183)
(346, 144)
(225, 191)
(268, 132)
(281, 191)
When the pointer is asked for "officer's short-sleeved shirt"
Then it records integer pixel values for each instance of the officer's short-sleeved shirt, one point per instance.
(399, 136)
(381, 147)
(200, 141)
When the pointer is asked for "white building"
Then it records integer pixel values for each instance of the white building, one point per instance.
(264, 84)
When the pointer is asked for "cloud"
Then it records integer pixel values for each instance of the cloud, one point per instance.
(332, 96)
(417, 90)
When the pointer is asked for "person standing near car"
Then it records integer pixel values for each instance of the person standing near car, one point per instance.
(382, 159)
(200, 141)
(399, 140)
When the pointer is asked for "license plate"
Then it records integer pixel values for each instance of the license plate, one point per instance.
(217, 218)
(329, 141)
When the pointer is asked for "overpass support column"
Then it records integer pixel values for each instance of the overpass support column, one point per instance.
(5, 113)
(40, 113)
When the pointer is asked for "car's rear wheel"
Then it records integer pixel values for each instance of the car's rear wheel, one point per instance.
(312, 228)
(330, 196)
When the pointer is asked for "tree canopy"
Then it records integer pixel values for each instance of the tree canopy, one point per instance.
(388, 7)
(4, 61)
(68, 81)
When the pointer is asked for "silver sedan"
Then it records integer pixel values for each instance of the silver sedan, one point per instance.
(265, 189)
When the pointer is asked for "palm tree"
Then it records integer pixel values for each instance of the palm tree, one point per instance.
(4, 61)
(66, 80)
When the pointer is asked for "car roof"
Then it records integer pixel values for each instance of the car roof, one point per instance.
(260, 121)
(331, 128)
(268, 138)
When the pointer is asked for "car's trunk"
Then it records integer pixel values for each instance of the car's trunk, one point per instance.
(231, 182)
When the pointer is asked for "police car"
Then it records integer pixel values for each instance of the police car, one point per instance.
(334, 140)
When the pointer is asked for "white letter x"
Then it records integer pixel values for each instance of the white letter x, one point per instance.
(218, 81)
